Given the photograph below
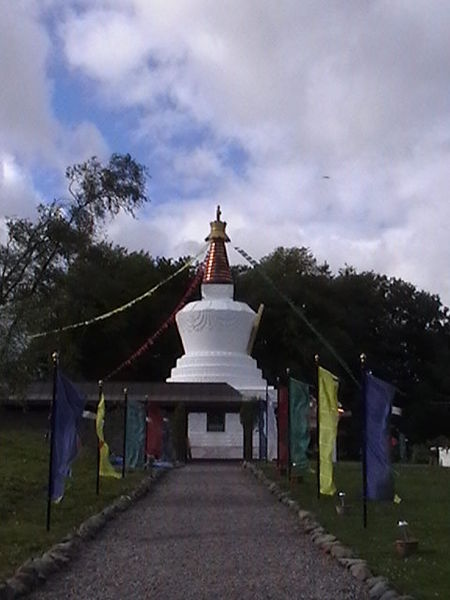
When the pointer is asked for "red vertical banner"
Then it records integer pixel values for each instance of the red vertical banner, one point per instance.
(154, 431)
(283, 424)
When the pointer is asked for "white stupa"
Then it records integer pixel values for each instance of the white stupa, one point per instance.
(216, 331)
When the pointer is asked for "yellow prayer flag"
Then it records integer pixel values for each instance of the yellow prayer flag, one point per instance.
(328, 421)
(106, 468)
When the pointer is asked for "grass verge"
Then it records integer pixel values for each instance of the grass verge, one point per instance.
(23, 495)
(425, 494)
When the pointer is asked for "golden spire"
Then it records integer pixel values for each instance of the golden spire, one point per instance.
(217, 268)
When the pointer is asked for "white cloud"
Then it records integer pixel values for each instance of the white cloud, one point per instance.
(357, 91)
(26, 123)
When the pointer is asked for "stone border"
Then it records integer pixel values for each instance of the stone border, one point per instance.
(379, 587)
(35, 571)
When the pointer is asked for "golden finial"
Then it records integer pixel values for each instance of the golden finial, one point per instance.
(217, 229)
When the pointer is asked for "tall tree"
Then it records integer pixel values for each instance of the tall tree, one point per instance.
(37, 253)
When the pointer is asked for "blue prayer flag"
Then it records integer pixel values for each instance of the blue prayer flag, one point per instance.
(67, 411)
(379, 480)
(262, 427)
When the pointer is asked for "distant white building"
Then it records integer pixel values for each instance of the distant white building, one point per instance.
(217, 334)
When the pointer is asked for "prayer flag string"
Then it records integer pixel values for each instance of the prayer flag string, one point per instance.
(298, 312)
(152, 339)
(122, 308)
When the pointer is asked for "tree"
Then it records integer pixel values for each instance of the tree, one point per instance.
(405, 332)
(36, 254)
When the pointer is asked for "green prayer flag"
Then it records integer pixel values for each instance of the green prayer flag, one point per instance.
(328, 422)
(299, 424)
(135, 441)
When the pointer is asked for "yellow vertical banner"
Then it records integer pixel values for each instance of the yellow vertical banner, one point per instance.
(328, 422)
(106, 468)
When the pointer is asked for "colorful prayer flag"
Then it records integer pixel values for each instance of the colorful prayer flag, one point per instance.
(379, 480)
(135, 440)
(262, 430)
(106, 468)
(154, 431)
(282, 423)
(328, 422)
(298, 423)
(67, 411)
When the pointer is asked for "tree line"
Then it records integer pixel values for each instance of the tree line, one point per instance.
(60, 269)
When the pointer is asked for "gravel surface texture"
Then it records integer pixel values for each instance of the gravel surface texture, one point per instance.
(208, 530)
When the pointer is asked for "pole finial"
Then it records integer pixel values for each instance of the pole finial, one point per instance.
(316, 359)
(55, 357)
(125, 390)
(362, 358)
(100, 383)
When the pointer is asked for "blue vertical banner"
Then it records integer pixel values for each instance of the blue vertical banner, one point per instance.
(68, 409)
(378, 398)
(262, 426)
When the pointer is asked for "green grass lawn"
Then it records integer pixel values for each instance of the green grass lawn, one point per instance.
(425, 494)
(23, 493)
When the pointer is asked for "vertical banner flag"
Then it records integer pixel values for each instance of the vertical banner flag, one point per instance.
(328, 416)
(283, 433)
(379, 396)
(106, 468)
(154, 431)
(299, 423)
(271, 430)
(135, 439)
(262, 427)
(68, 409)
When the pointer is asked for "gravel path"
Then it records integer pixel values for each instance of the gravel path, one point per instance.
(207, 531)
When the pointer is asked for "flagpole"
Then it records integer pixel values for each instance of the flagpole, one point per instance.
(125, 409)
(52, 439)
(267, 421)
(364, 436)
(288, 424)
(97, 482)
(316, 361)
(278, 425)
(146, 431)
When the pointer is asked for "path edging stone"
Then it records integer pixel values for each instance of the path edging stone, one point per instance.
(35, 571)
(379, 587)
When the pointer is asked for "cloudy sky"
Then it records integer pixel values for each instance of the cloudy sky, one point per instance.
(318, 123)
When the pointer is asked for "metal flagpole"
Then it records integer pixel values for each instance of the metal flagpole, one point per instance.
(97, 482)
(147, 420)
(125, 415)
(278, 424)
(52, 439)
(267, 421)
(364, 435)
(316, 360)
(288, 425)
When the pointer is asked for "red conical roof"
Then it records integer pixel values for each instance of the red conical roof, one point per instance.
(217, 268)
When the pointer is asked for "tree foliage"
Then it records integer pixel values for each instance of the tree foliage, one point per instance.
(58, 270)
(37, 254)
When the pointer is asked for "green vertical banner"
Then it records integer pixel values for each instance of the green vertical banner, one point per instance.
(135, 438)
(328, 417)
(299, 424)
